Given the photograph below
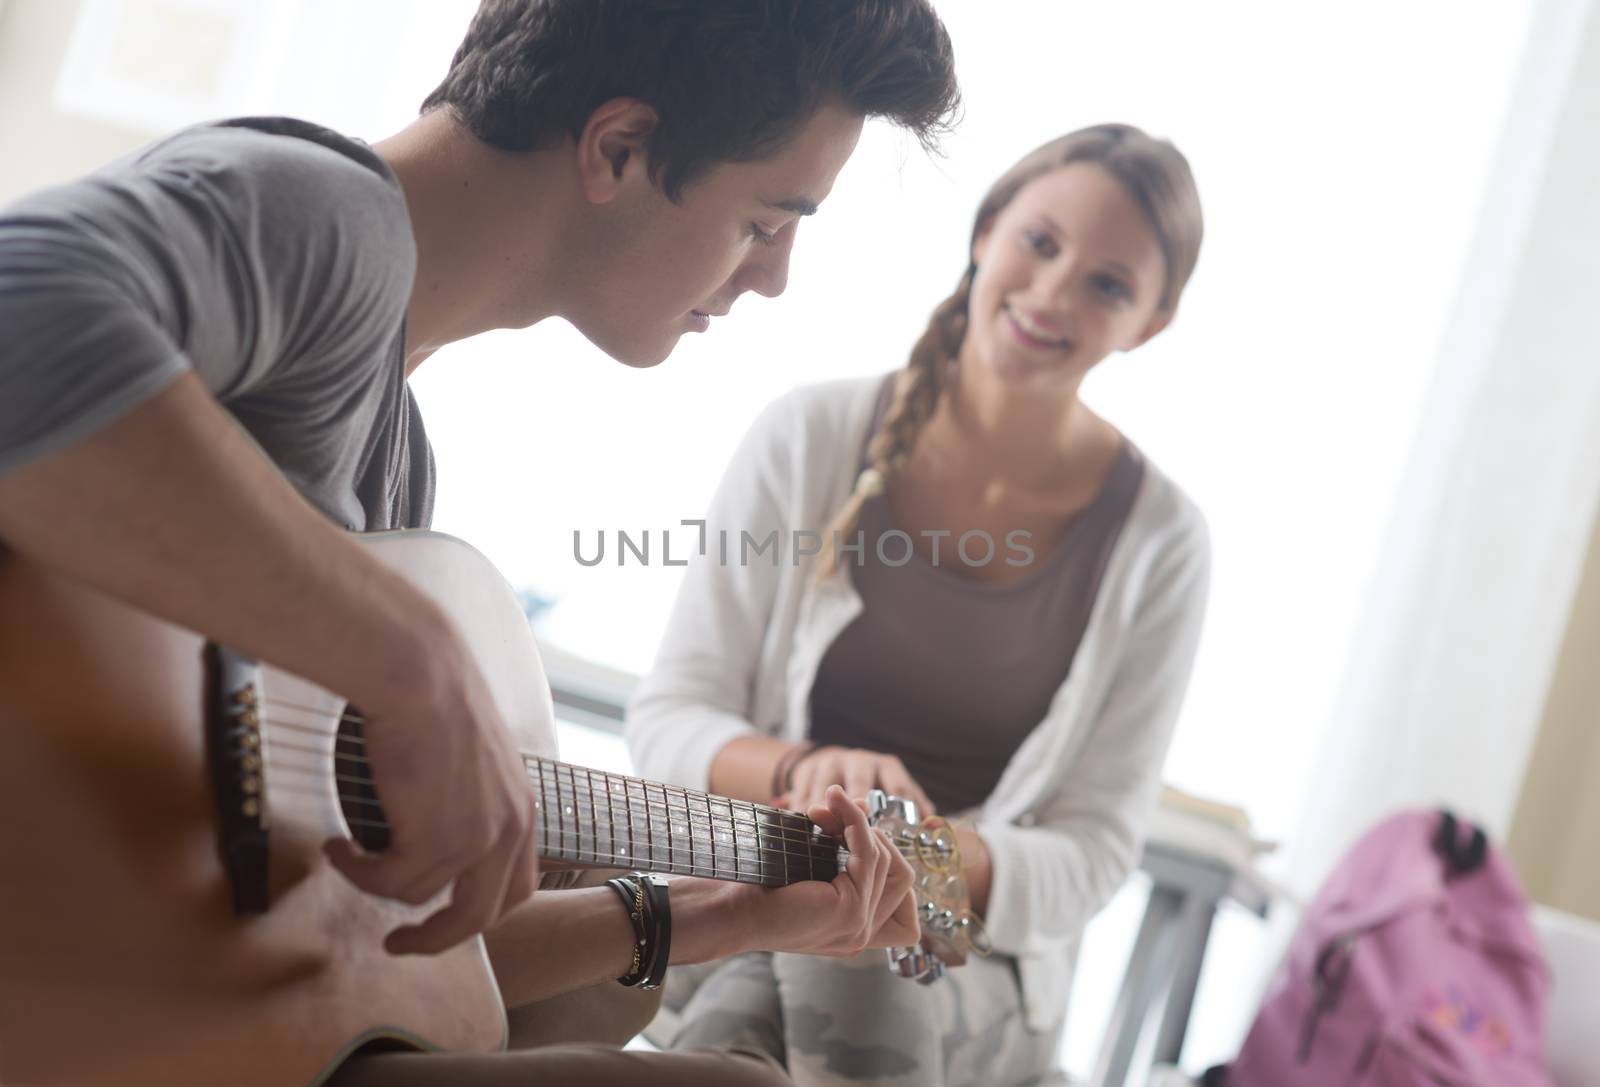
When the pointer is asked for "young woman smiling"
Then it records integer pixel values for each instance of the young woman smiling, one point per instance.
(1028, 692)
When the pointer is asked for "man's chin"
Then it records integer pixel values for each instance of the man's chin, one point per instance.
(645, 359)
(639, 356)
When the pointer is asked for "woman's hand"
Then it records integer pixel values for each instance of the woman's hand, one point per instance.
(869, 904)
(856, 771)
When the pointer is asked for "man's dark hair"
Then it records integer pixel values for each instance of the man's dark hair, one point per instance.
(732, 80)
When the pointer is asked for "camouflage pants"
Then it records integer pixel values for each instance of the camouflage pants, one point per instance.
(832, 1021)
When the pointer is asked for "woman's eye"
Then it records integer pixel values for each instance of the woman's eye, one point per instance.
(1113, 288)
(762, 235)
(1040, 242)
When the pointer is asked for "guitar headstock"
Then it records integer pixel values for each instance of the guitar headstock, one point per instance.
(950, 930)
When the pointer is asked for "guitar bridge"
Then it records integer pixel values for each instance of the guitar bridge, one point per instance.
(236, 754)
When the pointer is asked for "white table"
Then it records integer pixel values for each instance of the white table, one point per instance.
(1193, 869)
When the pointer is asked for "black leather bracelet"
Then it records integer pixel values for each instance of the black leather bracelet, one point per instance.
(633, 897)
(649, 906)
(659, 902)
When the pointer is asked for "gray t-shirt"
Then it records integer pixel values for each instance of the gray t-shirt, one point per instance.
(272, 257)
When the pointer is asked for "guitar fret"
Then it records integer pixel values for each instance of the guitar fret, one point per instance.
(752, 842)
(688, 821)
(569, 792)
(671, 862)
(649, 827)
(700, 834)
(542, 807)
(593, 830)
(711, 830)
(785, 866)
(561, 807)
(710, 837)
(611, 827)
(687, 827)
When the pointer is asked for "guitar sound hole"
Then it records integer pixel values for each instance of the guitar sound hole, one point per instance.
(358, 796)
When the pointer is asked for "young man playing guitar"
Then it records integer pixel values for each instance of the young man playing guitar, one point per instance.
(264, 286)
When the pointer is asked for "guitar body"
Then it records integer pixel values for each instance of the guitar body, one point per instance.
(123, 962)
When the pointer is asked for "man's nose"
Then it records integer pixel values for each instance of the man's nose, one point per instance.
(767, 270)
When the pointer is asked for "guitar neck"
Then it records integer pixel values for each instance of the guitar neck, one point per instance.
(590, 818)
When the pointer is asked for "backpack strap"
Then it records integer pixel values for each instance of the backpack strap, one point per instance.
(1462, 861)
(1477, 852)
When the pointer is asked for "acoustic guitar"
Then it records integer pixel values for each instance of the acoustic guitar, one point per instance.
(167, 915)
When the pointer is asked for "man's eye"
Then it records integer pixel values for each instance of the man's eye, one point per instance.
(762, 235)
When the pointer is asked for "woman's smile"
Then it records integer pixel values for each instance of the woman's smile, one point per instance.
(1030, 333)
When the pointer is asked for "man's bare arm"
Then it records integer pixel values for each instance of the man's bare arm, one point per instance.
(173, 510)
(565, 940)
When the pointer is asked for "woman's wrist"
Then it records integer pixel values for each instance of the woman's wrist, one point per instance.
(742, 768)
(783, 769)
(977, 867)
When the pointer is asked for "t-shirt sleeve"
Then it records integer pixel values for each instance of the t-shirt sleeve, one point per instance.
(76, 348)
(260, 261)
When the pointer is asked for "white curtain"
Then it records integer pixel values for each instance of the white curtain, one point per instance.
(1446, 683)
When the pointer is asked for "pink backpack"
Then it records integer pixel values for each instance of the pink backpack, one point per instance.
(1415, 965)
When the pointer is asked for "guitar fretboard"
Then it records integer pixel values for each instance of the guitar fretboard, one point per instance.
(590, 817)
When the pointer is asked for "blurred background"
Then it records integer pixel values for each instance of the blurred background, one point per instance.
(1382, 388)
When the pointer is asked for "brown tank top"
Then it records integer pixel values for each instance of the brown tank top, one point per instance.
(951, 674)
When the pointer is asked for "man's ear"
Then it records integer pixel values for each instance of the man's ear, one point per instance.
(611, 147)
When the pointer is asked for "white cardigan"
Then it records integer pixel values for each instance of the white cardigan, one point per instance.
(1064, 823)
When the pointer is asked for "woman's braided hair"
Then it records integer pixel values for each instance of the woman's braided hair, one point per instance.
(1156, 177)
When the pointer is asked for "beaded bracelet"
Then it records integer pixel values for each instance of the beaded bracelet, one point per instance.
(783, 769)
(794, 764)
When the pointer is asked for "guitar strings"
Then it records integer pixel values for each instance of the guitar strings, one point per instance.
(683, 822)
(684, 860)
(788, 825)
(681, 848)
(695, 857)
(359, 741)
(788, 829)
(818, 847)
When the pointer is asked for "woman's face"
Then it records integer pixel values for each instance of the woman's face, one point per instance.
(1068, 272)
